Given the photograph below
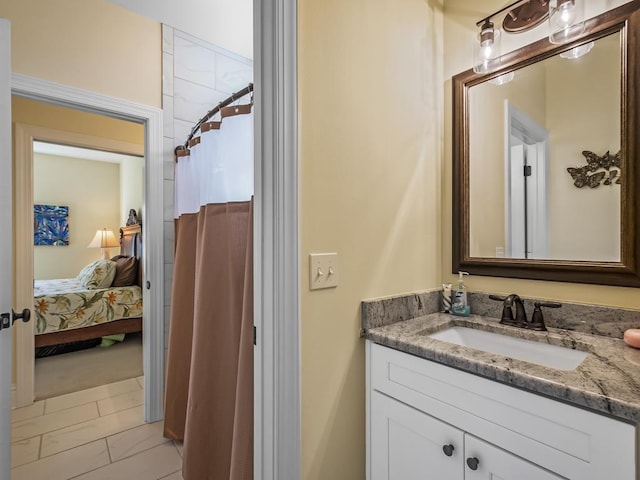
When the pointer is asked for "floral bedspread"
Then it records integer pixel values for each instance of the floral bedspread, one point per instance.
(63, 304)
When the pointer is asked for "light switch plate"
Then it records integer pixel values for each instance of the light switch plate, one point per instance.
(323, 270)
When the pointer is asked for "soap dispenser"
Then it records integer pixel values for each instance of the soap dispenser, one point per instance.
(459, 304)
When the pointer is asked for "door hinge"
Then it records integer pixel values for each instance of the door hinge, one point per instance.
(255, 335)
(527, 170)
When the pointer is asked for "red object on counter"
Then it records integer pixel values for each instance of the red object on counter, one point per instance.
(632, 337)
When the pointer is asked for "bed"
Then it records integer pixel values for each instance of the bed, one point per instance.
(66, 310)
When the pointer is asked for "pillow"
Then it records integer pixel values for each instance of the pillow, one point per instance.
(98, 274)
(126, 271)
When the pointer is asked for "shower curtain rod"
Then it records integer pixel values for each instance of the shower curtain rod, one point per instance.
(228, 101)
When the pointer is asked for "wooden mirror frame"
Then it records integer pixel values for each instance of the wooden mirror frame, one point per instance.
(626, 21)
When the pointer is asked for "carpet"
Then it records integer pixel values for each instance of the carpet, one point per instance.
(70, 372)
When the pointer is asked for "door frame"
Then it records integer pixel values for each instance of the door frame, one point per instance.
(277, 377)
(6, 252)
(529, 132)
(24, 135)
(152, 218)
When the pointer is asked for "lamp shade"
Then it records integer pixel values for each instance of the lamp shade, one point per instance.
(579, 51)
(486, 49)
(104, 239)
(566, 20)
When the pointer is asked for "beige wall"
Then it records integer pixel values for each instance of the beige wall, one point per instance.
(91, 190)
(90, 44)
(370, 116)
(459, 28)
(131, 188)
(584, 114)
(30, 112)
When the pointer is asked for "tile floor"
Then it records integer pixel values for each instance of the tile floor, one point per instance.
(94, 434)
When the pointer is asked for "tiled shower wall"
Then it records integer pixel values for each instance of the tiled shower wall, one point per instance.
(196, 76)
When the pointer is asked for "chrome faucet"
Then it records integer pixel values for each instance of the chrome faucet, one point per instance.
(537, 320)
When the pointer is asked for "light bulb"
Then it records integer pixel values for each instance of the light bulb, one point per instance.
(565, 20)
(566, 11)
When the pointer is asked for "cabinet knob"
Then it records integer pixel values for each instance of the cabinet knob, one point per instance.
(448, 450)
(472, 463)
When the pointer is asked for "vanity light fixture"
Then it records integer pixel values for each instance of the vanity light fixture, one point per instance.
(566, 23)
(486, 49)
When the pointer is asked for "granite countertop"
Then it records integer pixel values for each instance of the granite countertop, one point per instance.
(607, 381)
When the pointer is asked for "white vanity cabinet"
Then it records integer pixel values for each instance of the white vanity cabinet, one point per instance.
(407, 444)
(429, 421)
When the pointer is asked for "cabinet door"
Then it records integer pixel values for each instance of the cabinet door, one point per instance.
(493, 463)
(407, 444)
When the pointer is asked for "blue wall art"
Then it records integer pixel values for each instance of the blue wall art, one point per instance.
(50, 225)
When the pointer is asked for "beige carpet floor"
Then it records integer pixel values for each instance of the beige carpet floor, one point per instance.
(70, 372)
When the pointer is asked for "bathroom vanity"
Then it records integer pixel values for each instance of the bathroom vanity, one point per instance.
(468, 398)
(437, 410)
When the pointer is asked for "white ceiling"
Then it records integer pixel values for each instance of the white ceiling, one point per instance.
(227, 24)
(83, 153)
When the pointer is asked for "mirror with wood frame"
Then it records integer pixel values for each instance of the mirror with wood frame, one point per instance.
(546, 159)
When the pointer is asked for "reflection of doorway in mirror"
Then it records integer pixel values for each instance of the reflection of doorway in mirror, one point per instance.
(526, 186)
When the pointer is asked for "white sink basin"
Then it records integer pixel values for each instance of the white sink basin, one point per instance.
(553, 356)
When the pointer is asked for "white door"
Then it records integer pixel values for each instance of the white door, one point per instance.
(5, 249)
(516, 233)
(407, 444)
(537, 202)
(487, 462)
(527, 231)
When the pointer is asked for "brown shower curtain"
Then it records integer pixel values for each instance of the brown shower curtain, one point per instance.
(209, 394)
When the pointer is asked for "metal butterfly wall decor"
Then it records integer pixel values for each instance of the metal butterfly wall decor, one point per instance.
(589, 175)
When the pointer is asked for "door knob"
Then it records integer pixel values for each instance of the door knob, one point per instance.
(448, 450)
(472, 463)
(25, 315)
